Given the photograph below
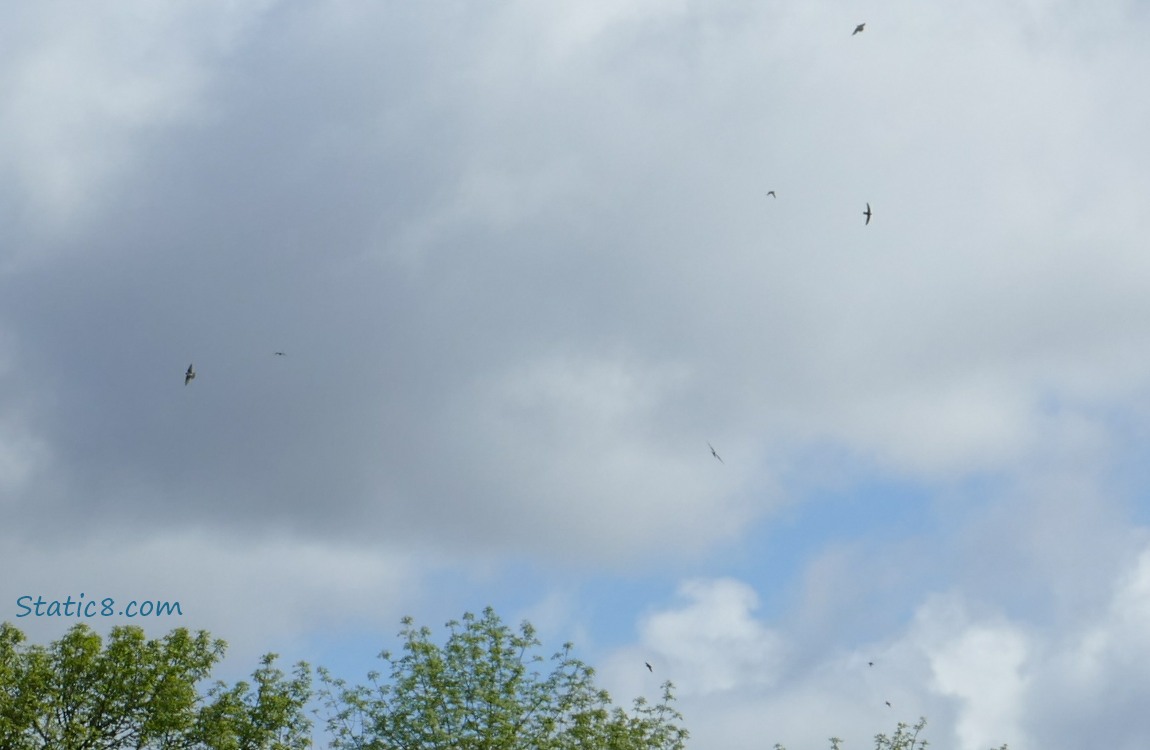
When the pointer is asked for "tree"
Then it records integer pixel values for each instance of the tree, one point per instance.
(81, 693)
(483, 690)
(902, 739)
(268, 717)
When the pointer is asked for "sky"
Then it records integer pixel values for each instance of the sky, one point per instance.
(523, 268)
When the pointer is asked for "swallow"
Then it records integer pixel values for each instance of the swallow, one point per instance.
(867, 214)
(190, 375)
(649, 669)
(772, 193)
(279, 354)
(858, 28)
(888, 705)
(713, 453)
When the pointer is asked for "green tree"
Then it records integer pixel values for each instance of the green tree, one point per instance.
(483, 690)
(268, 715)
(81, 693)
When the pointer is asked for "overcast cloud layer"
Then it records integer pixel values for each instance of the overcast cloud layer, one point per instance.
(522, 265)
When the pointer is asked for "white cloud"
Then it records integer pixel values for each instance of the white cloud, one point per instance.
(980, 677)
(1117, 640)
(714, 639)
(980, 666)
(87, 86)
(593, 471)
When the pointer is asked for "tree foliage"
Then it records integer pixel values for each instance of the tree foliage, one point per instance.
(484, 690)
(82, 693)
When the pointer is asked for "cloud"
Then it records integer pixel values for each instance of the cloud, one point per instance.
(980, 667)
(430, 244)
(714, 638)
(1087, 681)
(982, 678)
(265, 594)
(582, 437)
(84, 89)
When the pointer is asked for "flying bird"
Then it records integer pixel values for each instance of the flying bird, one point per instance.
(713, 453)
(888, 705)
(867, 214)
(190, 375)
(649, 669)
(870, 663)
(858, 28)
(772, 193)
(279, 354)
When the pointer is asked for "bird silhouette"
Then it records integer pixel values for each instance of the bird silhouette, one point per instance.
(713, 453)
(858, 28)
(190, 375)
(279, 354)
(772, 193)
(867, 214)
(649, 669)
(888, 705)
(870, 663)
